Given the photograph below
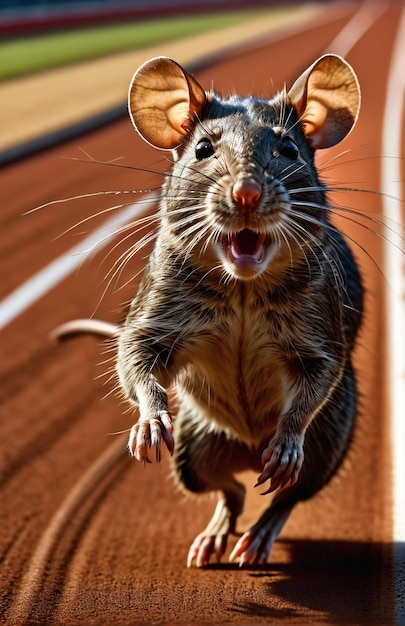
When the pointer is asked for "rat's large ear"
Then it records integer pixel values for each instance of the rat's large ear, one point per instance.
(163, 99)
(326, 97)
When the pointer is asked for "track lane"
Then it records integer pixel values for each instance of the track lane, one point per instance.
(392, 177)
(129, 562)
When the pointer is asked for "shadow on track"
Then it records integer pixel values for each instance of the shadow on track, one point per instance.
(334, 582)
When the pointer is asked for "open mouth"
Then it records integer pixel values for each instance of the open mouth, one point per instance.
(246, 252)
(246, 242)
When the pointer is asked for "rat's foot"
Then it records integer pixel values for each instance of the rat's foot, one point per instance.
(214, 539)
(147, 434)
(252, 548)
(282, 461)
(255, 545)
(205, 545)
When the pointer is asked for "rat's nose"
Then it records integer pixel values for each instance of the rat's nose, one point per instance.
(246, 193)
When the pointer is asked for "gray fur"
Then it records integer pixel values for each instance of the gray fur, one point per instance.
(262, 365)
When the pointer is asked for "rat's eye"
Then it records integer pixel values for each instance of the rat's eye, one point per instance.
(204, 149)
(289, 149)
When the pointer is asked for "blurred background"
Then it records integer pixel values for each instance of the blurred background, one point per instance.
(44, 44)
(18, 16)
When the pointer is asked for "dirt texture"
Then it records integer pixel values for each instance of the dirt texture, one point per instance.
(88, 535)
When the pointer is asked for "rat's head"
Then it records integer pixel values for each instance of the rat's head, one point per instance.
(244, 189)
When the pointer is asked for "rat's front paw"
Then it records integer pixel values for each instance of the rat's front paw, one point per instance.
(147, 434)
(282, 461)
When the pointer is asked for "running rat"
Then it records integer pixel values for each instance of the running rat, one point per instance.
(251, 300)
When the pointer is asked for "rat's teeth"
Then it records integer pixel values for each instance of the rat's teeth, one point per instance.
(259, 254)
(235, 253)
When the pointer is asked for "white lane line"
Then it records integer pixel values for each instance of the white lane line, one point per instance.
(43, 281)
(354, 30)
(391, 177)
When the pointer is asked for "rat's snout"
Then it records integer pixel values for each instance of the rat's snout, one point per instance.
(246, 193)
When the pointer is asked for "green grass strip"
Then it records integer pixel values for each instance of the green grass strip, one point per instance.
(36, 53)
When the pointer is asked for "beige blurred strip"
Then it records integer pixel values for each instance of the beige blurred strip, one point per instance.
(41, 103)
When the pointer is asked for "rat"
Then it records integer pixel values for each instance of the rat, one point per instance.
(251, 300)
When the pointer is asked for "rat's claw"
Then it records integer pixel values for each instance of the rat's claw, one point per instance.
(139, 441)
(149, 434)
(282, 462)
(200, 551)
(167, 430)
(240, 547)
(253, 547)
(204, 546)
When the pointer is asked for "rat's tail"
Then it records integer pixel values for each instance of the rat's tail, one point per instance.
(85, 326)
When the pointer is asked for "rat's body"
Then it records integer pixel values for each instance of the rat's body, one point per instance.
(251, 300)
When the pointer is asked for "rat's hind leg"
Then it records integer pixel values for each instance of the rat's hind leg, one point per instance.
(214, 538)
(205, 461)
(326, 443)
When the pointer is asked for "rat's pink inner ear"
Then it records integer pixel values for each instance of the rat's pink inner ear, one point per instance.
(326, 97)
(163, 100)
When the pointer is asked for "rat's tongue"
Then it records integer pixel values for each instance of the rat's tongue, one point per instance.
(247, 242)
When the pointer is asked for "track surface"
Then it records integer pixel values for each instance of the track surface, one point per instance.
(86, 534)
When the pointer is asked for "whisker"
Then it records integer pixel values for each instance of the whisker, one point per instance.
(165, 174)
(348, 189)
(93, 216)
(345, 213)
(294, 229)
(118, 266)
(83, 196)
(355, 243)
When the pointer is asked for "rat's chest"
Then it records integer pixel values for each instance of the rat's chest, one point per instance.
(239, 375)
